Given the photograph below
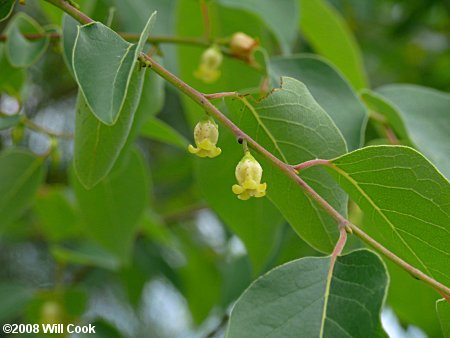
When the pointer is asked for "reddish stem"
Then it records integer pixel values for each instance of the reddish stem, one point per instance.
(310, 163)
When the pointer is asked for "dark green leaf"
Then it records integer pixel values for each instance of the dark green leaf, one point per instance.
(113, 209)
(407, 200)
(97, 146)
(14, 299)
(21, 173)
(20, 51)
(102, 59)
(425, 113)
(6, 7)
(69, 36)
(329, 35)
(158, 130)
(309, 298)
(12, 78)
(330, 90)
(280, 19)
(292, 126)
(443, 311)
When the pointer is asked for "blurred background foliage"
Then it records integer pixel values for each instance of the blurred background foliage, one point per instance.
(188, 262)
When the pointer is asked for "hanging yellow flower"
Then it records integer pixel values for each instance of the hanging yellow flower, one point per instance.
(210, 62)
(248, 174)
(206, 135)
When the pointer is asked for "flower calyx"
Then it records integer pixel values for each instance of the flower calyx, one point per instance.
(248, 175)
(242, 46)
(209, 69)
(206, 135)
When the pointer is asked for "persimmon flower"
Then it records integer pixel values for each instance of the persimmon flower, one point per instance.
(209, 68)
(206, 135)
(242, 45)
(248, 174)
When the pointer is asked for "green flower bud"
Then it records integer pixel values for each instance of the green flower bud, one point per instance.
(248, 174)
(210, 62)
(206, 135)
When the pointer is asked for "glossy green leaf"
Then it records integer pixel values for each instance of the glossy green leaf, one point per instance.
(6, 7)
(113, 209)
(330, 90)
(443, 311)
(158, 130)
(102, 59)
(97, 146)
(280, 19)
(309, 298)
(407, 202)
(20, 51)
(69, 36)
(12, 79)
(292, 126)
(8, 121)
(14, 299)
(425, 113)
(330, 36)
(21, 173)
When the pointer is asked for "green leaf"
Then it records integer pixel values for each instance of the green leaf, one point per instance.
(20, 51)
(280, 19)
(330, 36)
(14, 299)
(112, 209)
(425, 113)
(97, 146)
(102, 59)
(86, 253)
(6, 7)
(12, 78)
(443, 311)
(21, 173)
(292, 126)
(311, 297)
(56, 216)
(377, 104)
(158, 130)
(69, 36)
(407, 200)
(8, 121)
(330, 90)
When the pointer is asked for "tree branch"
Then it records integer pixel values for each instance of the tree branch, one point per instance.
(285, 168)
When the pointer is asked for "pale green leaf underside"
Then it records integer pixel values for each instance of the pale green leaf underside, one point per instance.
(281, 19)
(330, 90)
(292, 126)
(69, 36)
(6, 7)
(298, 299)
(96, 145)
(113, 208)
(103, 63)
(407, 202)
(329, 36)
(20, 51)
(21, 173)
(443, 312)
(426, 115)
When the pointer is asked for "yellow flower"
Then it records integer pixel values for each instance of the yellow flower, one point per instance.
(248, 174)
(208, 70)
(206, 135)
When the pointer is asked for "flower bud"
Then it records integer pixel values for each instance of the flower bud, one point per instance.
(248, 174)
(206, 135)
(242, 45)
(208, 70)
